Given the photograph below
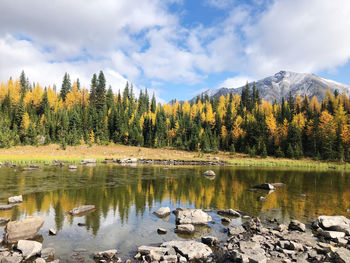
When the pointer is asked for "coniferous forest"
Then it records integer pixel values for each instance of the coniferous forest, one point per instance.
(293, 128)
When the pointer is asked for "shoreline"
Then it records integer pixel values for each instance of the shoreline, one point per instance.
(29, 155)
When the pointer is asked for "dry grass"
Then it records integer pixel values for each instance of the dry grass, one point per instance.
(74, 154)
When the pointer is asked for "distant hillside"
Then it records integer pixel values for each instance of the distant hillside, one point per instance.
(279, 85)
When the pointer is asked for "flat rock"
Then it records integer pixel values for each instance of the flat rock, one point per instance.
(342, 255)
(229, 212)
(235, 230)
(82, 210)
(192, 250)
(332, 234)
(107, 254)
(335, 223)
(192, 216)
(6, 207)
(265, 186)
(162, 212)
(185, 229)
(29, 248)
(17, 258)
(15, 199)
(23, 229)
(40, 260)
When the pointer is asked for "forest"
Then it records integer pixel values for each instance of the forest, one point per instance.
(296, 127)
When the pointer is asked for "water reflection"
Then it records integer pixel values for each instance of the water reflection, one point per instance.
(125, 197)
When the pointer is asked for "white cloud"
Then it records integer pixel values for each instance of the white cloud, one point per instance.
(235, 82)
(221, 4)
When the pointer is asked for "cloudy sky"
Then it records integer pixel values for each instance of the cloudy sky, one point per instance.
(175, 48)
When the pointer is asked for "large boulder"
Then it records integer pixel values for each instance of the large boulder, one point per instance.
(334, 223)
(15, 199)
(24, 229)
(162, 212)
(29, 248)
(192, 250)
(82, 210)
(192, 216)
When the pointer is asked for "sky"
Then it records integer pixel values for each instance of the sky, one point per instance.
(174, 48)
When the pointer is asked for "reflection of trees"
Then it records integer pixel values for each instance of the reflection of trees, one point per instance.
(120, 189)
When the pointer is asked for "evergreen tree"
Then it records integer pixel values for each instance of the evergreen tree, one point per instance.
(66, 86)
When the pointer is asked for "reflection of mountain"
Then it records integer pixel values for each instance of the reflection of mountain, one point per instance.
(120, 189)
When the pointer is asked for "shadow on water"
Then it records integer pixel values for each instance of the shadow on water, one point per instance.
(125, 198)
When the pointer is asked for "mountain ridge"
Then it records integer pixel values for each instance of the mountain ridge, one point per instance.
(281, 84)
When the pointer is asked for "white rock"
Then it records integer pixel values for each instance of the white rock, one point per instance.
(192, 250)
(82, 209)
(162, 212)
(24, 229)
(192, 216)
(15, 199)
(185, 229)
(29, 248)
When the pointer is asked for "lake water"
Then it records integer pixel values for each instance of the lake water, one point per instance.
(126, 196)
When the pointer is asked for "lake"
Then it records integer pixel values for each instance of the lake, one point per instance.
(126, 196)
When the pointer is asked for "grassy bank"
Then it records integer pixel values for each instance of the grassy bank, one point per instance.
(74, 154)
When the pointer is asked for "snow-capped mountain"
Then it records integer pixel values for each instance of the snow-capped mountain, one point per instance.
(275, 87)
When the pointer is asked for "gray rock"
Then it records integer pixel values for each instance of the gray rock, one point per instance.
(192, 250)
(229, 212)
(52, 231)
(282, 227)
(162, 212)
(209, 173)
(155, 256)
(331, 234)
(192, 216)
(296, 225)
(6, 207)
(82, 210)
(335, 223)
(29, 248)
(12, 259)
(72, 167)
(342, 255)
(170, 259)
(185, 229)
(210, 241)
(235, 230)
(265, 186)
(48, 253)
(225, 220)
(24, 229)
(40, 260)
(15, 199)
(182, 260)
(107, 254)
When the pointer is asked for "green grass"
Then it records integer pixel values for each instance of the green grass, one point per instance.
(289, 163)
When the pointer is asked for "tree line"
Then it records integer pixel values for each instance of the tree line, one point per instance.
(293, 128)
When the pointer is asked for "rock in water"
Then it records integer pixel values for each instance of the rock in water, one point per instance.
(72, 167)
(48, 253)
(82, 210)
(108, 254)
(52, 231)
(15, 199)
(4, 220)
(192, 216)
(265, 186)
(6, 207)
(24, 229)
(29, 248)
(210, 241)
(162, 212)
(161, 231)
(209, 173)
(335, 223)
(185, 229)
(192, 250)
(229, 212)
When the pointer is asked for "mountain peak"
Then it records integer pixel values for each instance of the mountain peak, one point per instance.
(274, 88)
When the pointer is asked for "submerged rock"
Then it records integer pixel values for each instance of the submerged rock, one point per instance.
(192, 216)
(229, 212)
(15, 199)
(265, 186)
(48, 253)
(82, 210)
(192, 250)
(29, 248)
(24, 229)
(185, 229)
(162, 212)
